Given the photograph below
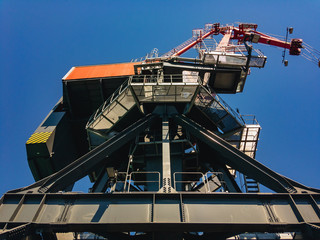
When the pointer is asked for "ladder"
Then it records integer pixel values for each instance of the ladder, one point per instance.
(251, 185)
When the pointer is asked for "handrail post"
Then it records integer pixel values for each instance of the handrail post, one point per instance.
(159, 181)
(129, 185)
(204, 182)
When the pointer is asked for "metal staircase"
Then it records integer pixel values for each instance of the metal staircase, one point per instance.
(251, 185)
(222, 115)
(247, 141)
(109, 114)
(181, 46)
(125, 105)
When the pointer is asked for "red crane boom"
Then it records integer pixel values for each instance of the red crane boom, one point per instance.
(245, 32)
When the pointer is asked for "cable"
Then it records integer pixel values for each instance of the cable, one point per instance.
(312, 54)
(312, 48)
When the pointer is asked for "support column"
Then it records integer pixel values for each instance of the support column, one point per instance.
(166, 166)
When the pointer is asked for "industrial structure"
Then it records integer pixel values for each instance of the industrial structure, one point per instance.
(167, 157)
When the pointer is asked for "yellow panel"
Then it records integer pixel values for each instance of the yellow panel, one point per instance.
(39, 137)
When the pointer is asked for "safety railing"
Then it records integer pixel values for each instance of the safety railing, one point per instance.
(183, 79)
(164, 88)
(229, 109)
(107, 103)
(174, 79)
(138, 181)
(211, 175)
(149, 181)
(234, 59)
(247, 140)
(221, 58)
(210, 100)
(249, 119)
(192, 181)
(178, 48)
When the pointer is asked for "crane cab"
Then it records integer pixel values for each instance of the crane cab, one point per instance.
(231, 69)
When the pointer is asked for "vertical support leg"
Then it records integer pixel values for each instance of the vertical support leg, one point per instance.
(166, 166)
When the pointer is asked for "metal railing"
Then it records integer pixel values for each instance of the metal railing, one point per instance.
(165, 79)
(207, 98)
(249, 119)
(235, 114)
(195, 180)
(178, 48)
(107, 103)
(165, 88)
(130, 181)
(149, 181)
(174, 79)
(229, 57)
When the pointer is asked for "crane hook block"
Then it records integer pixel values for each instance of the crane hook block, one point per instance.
(295, 46)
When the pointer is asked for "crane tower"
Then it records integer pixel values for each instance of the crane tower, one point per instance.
(168, 158)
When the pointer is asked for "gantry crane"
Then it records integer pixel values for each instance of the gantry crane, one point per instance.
(167, 157)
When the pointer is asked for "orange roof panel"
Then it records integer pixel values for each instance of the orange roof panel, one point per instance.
(100, 71)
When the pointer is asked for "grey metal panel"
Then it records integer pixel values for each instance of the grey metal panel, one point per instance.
(208, 209)
(52, 211)
(308, 213)
(232, 211)
(29, 209)
(283, 211)
(167, 213)
(7, 210)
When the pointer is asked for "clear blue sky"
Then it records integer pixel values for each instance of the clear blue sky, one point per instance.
(41, 40)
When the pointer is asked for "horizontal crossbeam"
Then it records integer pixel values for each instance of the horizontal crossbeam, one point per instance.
(184, 212)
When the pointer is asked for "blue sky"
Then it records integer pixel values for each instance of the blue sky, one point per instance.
(41, 40)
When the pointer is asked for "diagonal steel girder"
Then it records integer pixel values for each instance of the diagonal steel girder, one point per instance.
(88, 162)
(240, 161)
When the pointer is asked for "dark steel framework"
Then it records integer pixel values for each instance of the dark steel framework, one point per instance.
(42, 208)
(162, 161)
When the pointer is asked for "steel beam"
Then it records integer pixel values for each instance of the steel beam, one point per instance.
(232, 186)
(240, 161)
(101, 184)
(166, 161)
(90, 161)
(181, 212)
